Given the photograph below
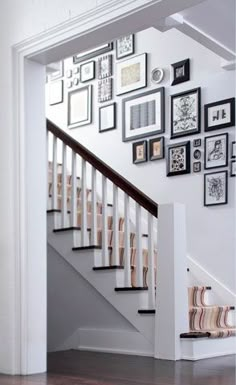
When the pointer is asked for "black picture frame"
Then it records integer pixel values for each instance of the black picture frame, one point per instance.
(231, 102)
(197, 154)
(206, 139)
(144, 159)
(181, 72)
(197, 142)
(113, 126)
(89, 54)
(91, 62)
(187, 168)
(197, 167)
(160, 140)
(215, 189)
(232, 173)
(180, 96)
(142, 96)
(128, 54)
(233, 153)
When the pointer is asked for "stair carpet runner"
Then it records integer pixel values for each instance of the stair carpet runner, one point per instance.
(211, 320)
(204, 320)
(99, 226)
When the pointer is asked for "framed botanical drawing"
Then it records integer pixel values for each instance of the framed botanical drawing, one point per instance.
(186, 113)
(131, 74)
(178, 161)
(233, 150)
(219, 114)
(143, 115)
(86, 55)
(104, 90)
(181, 72)
(87, 71)
(197, 167)
(104, 66)
(107, 117)
(124, 46)
(216, 151)
(216, 188)
(157, 148)
(233, 168)
(56, 92)
(59, 73)
(140, 152)
(80, 107)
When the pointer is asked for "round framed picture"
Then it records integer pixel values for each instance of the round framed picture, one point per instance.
(157, 75)
(197, 154)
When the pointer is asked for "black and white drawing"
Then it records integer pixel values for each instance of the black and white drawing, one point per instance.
(104, 66)
(104, 90)
(197, 154)
(124, 46)
(178, 161)
(185, 113)
(220, 114)
(197, 142)
(216, 188)
(181, 72)
(87, 71)
(197, 167)
(216, 151)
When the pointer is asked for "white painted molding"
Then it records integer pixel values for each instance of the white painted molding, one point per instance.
(228, 65)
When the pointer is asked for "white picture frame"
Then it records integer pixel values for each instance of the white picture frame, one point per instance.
(87, 71)
(131, 74)
(104, 90)
(124, 46)
(80, 107)
(107, 117)
(105, 66)
(56, 92)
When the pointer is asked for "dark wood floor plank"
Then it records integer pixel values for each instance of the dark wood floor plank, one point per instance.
(86, 368)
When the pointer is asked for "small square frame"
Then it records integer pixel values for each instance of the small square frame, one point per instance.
(197, 142)
(183, 65)
(197, 167)
(231, 103)
(161, 141)
(144, 159)
(206, 139)
(187, 168)
(83, 66)
(120, 41)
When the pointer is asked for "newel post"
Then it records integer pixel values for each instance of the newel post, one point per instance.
(171, 293)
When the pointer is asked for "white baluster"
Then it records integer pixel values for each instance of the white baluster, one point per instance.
(151, 265)
(73, 207)
(84, 209)
(105, 256)
(54, 174)
(64, 188)
(127, 272)
(94, 208)
(139, 251)
(115, 228)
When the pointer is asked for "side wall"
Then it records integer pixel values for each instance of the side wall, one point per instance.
(210, 231)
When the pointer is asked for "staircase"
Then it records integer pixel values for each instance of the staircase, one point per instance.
(106, 229)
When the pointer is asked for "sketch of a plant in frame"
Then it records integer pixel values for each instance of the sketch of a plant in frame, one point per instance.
(216, 187)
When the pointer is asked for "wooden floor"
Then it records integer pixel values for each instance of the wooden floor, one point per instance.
(84, 368)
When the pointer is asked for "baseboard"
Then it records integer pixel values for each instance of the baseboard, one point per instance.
(114, 341)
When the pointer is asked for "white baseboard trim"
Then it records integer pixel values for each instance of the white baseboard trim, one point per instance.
(114, 341)
(206, 356)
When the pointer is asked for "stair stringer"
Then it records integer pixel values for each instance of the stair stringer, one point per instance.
(104, 281)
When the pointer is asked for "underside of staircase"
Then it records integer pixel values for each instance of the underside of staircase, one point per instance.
(113, 246)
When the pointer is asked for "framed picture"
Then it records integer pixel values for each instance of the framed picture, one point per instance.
(186, 113)
(233, 168)
(143, 115)
(216, 151)
(69, 73)
(233, 150)
(140, 152)
(87, 71)
(80, 107)
(124, 46)
(107, 117)
(197, 154)
(157, 148)
(131, 74)
(178, 161)
(157, 75)
(181, 72)
(55, 75)
(104, 90)
(197, 143)
(88, 54)
(219, 114)
(197, 167)
(216, 188)
(104, 66)
(56, 92)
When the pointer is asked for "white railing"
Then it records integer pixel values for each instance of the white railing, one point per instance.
(104, 215)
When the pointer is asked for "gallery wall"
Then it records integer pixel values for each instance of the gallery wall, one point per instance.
(210, 230)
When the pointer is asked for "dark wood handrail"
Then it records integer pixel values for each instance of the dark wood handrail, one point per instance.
(104, 169)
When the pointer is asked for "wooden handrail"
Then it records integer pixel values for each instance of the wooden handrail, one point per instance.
(104, 169)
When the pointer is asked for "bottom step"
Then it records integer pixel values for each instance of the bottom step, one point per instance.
(194, 349)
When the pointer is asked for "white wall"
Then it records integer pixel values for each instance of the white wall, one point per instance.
(210, 231)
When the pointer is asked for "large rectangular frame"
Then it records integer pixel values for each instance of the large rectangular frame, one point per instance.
(89, 107)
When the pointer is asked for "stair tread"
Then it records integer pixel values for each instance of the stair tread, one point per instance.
(146, 311)
(112, 267)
